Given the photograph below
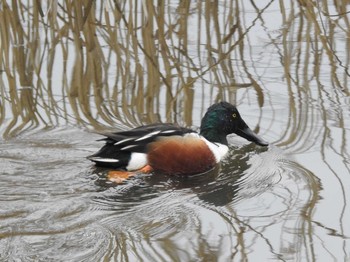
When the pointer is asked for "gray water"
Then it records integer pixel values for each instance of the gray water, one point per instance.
(66, 76)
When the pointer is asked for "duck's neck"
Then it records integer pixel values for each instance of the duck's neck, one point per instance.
(214, 135)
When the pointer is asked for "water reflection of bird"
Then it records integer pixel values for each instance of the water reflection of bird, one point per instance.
(170, 149)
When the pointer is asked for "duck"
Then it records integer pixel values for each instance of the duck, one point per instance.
(170, 149)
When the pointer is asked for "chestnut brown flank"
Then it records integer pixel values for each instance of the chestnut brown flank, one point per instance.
(180, 156)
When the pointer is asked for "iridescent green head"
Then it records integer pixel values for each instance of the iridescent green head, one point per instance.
(222, 119)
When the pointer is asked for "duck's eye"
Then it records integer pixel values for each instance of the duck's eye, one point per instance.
(234, 115)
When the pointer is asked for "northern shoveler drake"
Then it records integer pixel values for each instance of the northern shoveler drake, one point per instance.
(171, 149)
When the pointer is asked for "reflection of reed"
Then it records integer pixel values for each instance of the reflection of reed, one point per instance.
(99, 64)
(304, 66)
(124, 63)
(116, 59)
(316, 70)
(271, 206)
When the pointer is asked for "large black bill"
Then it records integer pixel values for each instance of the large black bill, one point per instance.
(248, 134)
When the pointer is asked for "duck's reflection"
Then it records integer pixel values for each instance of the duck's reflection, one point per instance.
(217, 187)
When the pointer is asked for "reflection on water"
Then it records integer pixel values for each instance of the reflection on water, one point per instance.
(54, 209)
(119, 64)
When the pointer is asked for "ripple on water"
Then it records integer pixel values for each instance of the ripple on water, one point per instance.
(58, 207)
(153, 227)
(44, 199)
(78, 244)
(268, 200)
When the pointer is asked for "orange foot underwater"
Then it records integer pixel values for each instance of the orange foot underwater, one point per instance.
(119, 176)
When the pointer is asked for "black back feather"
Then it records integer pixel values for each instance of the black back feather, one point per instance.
(120, 145)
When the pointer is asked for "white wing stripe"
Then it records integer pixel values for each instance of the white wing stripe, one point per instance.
(123, 141)
(106, 160)
(148, 135)
(128, 147)
(168, 131)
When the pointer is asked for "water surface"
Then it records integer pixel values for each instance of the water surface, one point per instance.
(71, 71)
